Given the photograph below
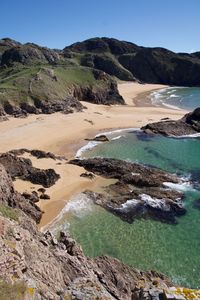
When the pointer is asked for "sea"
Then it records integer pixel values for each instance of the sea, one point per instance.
(146, 244)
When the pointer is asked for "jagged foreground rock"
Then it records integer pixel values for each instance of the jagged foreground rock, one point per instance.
(189, 124)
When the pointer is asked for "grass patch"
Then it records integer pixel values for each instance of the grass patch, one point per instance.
(8, 212)
(76, 75)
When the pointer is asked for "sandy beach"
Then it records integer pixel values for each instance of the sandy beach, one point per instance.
(65, 134)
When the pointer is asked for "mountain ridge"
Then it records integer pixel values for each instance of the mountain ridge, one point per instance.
(35, 79)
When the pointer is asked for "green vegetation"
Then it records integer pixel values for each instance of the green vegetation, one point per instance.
(45, 83)
(76, 75)
(8, 212)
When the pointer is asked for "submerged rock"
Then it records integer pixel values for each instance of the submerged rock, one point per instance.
(140, 191)
(189, 124)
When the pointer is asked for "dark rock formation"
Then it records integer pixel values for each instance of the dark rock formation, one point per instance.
(106, 94)
(88, 175)
(44, 197)
(33, 197)
(68, 105)
(29, 53)
(189, 124)
(37, 153)
(140, 192)
(22, 168)
(99, 138)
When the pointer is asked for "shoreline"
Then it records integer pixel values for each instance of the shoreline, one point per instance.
(65, 134)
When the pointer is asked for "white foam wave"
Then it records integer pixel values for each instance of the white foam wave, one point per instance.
(116, 138)
(117, 131)
(194, 135)
(80, 205)
(158, 97)
(93, 144)
(174, 96)
(128, 204)
(87, 147)
(182, 187)
(154, 202)
(171, 106)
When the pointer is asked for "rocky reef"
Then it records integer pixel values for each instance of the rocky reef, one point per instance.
(140, 191)
(189, 124)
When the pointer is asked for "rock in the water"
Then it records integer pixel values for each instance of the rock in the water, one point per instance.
(99, 138)
(189, 124)
(140, 191)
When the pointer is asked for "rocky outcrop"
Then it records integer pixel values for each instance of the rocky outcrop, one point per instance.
(99, 138)
(189, 124)
(68, 105)
(37, 153)
(19, 167)
(107, 94)
(29, 53)
(140, 192)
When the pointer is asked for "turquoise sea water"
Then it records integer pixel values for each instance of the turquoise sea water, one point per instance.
(182, 97)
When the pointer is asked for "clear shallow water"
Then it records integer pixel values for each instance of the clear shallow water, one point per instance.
(177, 97)
(145, 244)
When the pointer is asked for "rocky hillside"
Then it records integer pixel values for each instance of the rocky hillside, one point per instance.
(128, 61)
(35, 80)
(40, 266)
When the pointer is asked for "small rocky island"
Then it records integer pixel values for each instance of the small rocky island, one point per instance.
(188, 125)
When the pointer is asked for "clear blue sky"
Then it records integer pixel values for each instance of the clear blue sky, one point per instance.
(173, 24)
